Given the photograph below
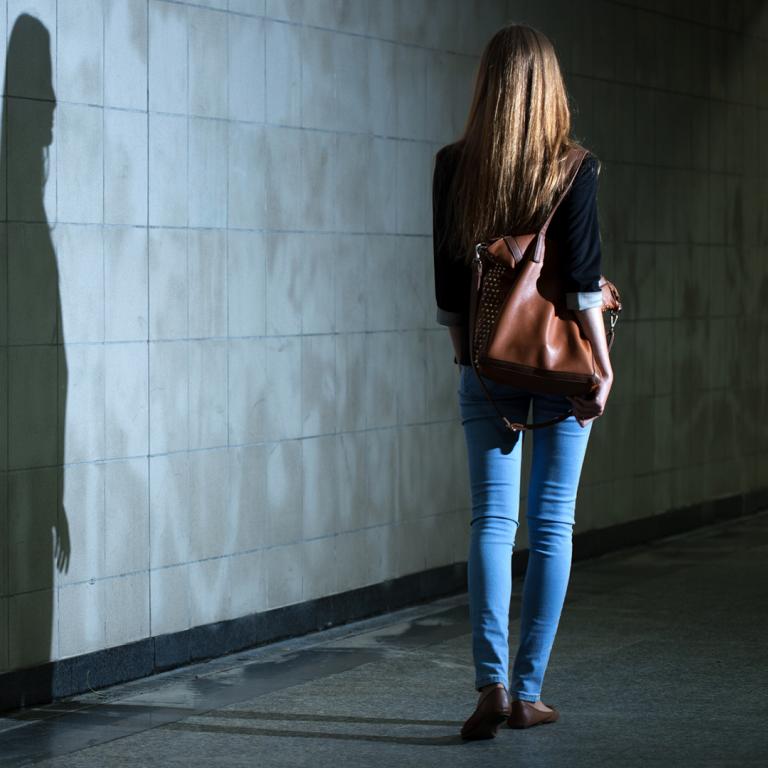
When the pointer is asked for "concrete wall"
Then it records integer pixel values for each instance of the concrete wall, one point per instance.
(219, 311)
(676, 104)
(223, 387)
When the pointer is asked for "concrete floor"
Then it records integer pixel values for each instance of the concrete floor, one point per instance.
(660, 659)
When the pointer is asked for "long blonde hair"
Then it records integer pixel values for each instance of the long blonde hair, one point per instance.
(517, 134)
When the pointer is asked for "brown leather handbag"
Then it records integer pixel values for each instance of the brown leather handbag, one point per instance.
(520, 329)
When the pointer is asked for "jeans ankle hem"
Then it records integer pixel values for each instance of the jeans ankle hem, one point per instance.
(525, 696)
(488, 680)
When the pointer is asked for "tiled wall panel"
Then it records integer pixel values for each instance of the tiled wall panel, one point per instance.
(223, 387)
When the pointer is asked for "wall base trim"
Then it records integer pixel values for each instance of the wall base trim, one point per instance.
(120, 664)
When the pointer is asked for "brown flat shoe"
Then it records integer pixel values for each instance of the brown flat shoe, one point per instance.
(523, 714)
(492, 709)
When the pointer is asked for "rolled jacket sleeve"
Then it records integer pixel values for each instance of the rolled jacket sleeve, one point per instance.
(444, 317)
(584, 299)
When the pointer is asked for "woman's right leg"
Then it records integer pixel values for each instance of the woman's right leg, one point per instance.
(495, 459)
(557, 458)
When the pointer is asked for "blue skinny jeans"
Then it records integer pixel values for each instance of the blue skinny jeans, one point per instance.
(495, 461)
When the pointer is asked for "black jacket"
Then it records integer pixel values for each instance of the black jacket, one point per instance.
(574, 223)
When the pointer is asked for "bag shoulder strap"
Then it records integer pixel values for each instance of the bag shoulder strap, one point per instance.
(573, 163)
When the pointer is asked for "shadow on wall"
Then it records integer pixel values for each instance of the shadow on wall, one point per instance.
(37, 538)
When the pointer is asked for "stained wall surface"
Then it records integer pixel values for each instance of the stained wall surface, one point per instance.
(223, 386)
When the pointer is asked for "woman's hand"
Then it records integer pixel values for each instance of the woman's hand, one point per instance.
(589, 407)
(585, 409)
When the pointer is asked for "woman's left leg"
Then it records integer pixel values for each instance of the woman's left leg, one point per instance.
(558, 456)
(494, 459)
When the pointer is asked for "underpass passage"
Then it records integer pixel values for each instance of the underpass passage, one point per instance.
(659, 658)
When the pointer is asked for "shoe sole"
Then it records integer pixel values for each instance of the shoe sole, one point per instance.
(531, 725)
(486, 728)
(543, 721)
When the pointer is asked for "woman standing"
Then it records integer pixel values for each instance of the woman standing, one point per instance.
(503, 176)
